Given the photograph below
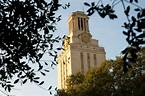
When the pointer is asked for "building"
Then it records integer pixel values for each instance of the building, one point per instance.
(81, 52)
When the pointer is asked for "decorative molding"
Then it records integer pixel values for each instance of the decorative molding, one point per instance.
(66, 42)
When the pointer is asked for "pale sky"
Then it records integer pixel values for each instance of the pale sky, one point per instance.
(108, 32)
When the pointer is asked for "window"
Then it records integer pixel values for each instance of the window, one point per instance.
(73, 23)
(88, 59)
(95, 61)
(79, 23)
(82, 23)
(82, 63)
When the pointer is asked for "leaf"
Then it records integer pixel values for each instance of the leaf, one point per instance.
(19, 74)
(36, 81)
(141, 35)
(55, 57)
(23, 76)
(59, 48)
(49, 87)
(131, 1)
(102, 14)
(56, 89)
(46, 63)
(37, 78)
(139, 30)
(51, 46)
(43, 73)
(24, 81)
(93, 4)
(137, 9)
(133, 19)
(16, 81)
(46, 70)
(127, 10)
(143, 13)
(138, 15)
(90, 11)
(40, 67)
(50, 93)
(9, 87)
(87, 4)
(41, 83)
(112, 16)
(125, 33)
(136, 1)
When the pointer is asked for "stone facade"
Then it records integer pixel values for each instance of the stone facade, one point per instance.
(81, 52)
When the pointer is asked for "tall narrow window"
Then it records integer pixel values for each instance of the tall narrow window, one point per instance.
(88, 59)
(82, 63)
(79, 23)
(82, 23)
(95, 61)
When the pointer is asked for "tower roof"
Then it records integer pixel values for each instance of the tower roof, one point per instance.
(78, 13)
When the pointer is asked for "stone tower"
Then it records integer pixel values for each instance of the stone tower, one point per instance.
(81, 52)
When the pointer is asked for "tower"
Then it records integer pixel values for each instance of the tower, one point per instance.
(81, 52)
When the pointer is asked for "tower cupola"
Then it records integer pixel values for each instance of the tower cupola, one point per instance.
(78, 23)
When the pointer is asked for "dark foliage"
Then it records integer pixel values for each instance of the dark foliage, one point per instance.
(26, 28)
(135, 26)
(108, 80)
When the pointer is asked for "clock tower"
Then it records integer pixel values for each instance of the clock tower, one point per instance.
(81, 52)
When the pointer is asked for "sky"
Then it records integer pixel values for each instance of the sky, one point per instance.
(108, 32)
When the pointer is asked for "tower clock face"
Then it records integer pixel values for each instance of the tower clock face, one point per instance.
(85, 37)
